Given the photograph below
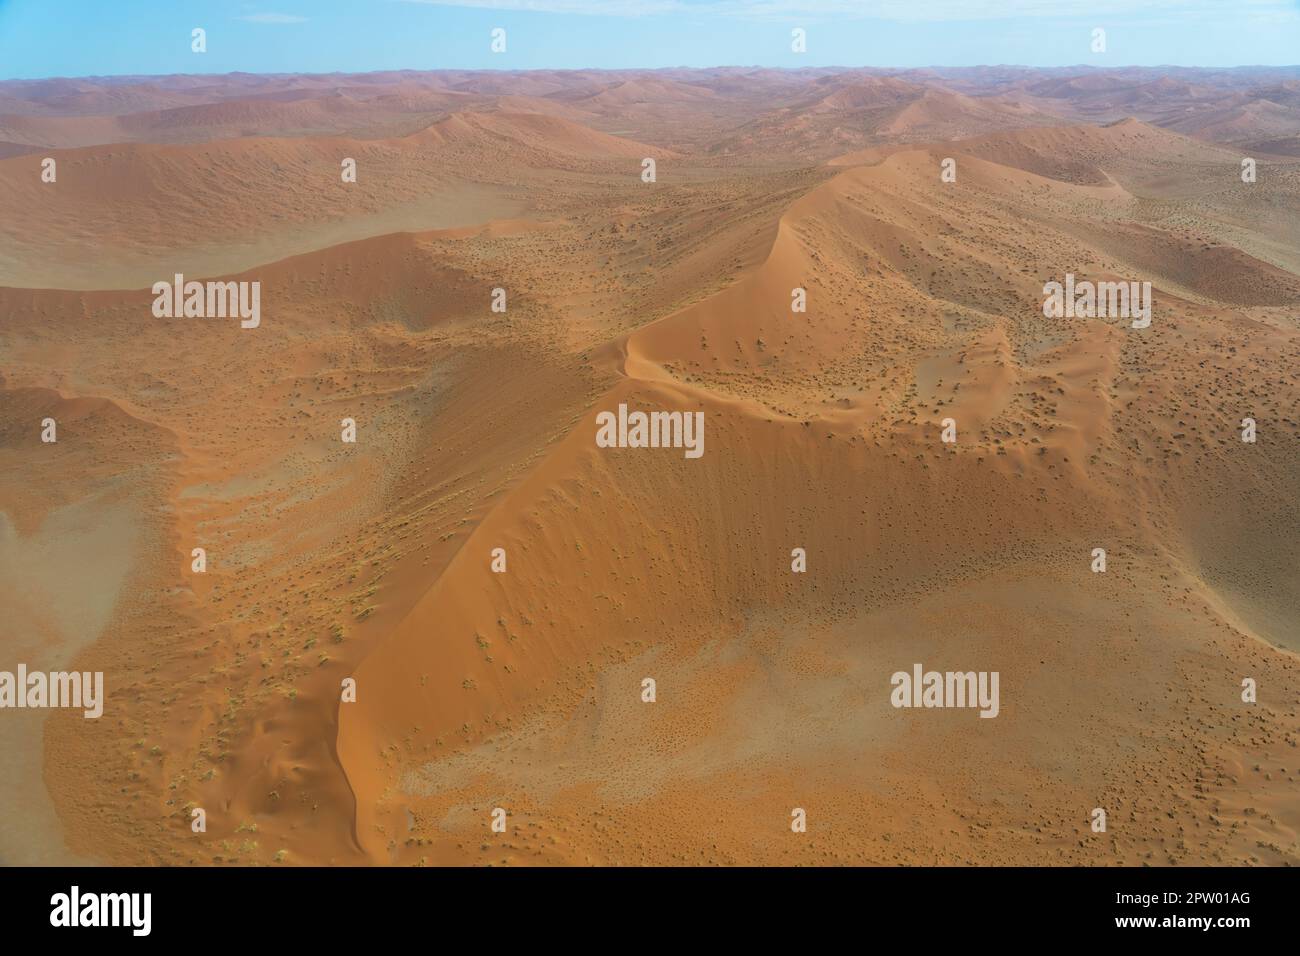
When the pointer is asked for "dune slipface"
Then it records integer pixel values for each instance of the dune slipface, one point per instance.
(654, 467)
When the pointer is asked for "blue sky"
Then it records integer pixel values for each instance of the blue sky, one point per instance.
(40, 38)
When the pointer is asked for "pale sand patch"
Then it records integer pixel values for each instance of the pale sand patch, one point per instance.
(58, 586)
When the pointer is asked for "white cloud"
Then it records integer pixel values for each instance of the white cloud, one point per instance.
(272, 18)
(903, 10)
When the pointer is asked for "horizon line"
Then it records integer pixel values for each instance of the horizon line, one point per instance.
(659, 69)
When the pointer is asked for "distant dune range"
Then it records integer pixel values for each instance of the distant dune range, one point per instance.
(257, 199)
(476, 431)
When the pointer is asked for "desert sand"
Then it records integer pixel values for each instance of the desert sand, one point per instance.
(475, 430)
